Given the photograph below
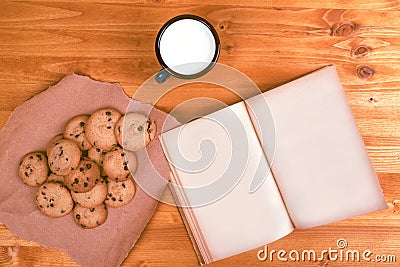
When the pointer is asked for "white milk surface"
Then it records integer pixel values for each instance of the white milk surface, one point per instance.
(187, 46)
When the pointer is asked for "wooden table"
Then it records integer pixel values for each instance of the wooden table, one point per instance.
(270, 41)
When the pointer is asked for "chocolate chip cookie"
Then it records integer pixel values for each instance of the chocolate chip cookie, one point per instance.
(75, 130)
(119, 164)
(54, 200)
(93, 198)
(84, 177)
(100, 128)
(89, 218)
(120, 193)
(63, 156)
(33, 169)
(134, 131)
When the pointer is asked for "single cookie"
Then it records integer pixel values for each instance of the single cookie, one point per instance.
(33, 169)
(54, 200)
(119, 164)
(53, 142)
(134, 131)
(75, 130)
(93, 198)
(84, 177)
(64, 156)
(97, 155)
(55, 178)
(89, 218)
(120, 193)
(100, 128)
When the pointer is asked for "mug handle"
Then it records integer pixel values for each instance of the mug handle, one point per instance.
(162, 76)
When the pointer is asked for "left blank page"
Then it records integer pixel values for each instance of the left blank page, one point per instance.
(215, 158)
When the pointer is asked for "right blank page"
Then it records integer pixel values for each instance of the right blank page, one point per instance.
(316, 152)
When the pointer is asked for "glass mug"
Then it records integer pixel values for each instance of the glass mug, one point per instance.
(187, 47)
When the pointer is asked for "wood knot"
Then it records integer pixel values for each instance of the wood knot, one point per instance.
(5, 256)
(360, 51)
(223, 25)
(394, 206)
(228, 48)
(343, 28)
(365, 72)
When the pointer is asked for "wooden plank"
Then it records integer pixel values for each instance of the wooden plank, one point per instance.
(267, 72)
(277, 4)
(166, 241)
(130, 18)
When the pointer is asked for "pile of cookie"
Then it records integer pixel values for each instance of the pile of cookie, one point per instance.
(89, 166)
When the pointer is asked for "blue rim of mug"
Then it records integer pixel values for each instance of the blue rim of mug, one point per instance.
(216, 53)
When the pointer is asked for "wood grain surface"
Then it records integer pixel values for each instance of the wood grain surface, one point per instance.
(270, 41)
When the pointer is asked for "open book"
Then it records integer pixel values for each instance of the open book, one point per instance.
(252, 172)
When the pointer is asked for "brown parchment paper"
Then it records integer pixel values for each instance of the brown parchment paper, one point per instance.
(30, 128)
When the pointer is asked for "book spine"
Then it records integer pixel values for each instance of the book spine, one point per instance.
(186, 213)
(196, 248)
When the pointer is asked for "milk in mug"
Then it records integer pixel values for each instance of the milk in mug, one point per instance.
(187, 46)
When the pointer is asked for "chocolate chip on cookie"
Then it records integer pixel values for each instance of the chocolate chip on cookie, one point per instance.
(33, 169)
(54, 200)
(84, 177)
(75, 130)
(134, 131)
(100, 128)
